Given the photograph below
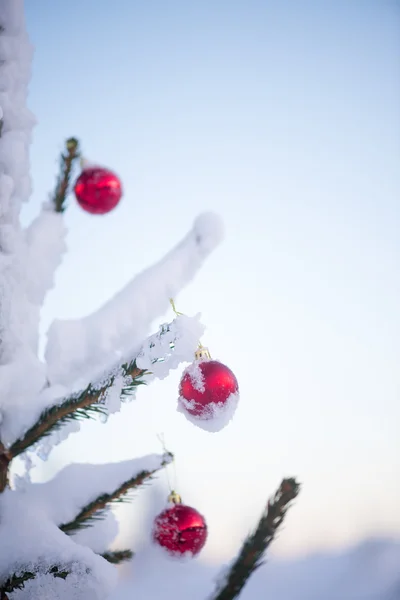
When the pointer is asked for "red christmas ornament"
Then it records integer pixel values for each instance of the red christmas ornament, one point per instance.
(98, 190)
(180, 529)
(208, 391)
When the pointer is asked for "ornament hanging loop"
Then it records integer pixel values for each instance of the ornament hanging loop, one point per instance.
(176, 312)
(174, 498)
(161, 439)
(202, 352)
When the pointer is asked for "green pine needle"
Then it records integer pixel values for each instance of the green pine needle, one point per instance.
(252, 552)
(67, 162)
(118, 556)
(17, 582)
(86, 404)
(97, 509)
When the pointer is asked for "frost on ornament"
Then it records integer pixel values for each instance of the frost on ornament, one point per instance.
(208, 394)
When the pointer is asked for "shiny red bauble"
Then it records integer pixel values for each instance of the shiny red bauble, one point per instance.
(180, 530)
(98, 190)
(206, 383)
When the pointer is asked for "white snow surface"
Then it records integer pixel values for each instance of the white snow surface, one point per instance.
(45, 238)
(99, 537)
(30, 538)
(77, 347)
(173, 344)
(216, 415)
(31, 541)
(18, 316)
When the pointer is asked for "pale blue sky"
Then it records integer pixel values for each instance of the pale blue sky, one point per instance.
(284, 118)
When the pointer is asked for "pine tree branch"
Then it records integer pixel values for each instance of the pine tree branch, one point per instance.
(17, 582)
(118, 556)
(95, 510)
(82, 405)
(251, 555)
(67, 163)
(5, 459)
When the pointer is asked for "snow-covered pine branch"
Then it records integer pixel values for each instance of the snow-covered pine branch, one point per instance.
(76, 348)
(33, 545)
(81, 405)
(77, 494)
(104, 485)
(40, 422)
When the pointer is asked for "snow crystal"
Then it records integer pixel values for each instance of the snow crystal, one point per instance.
(170, 346)
(214, 417)
(76, 348)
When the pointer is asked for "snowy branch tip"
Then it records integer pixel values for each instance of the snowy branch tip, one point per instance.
(209, 231)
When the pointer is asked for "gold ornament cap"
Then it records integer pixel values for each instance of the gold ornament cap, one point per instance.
(202, 352)
(174, 498)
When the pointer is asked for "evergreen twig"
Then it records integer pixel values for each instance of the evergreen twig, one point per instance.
(17, 582)
(5, 459)
(117, 556)
(95, 510)
(251, 555)
(82, 405)
(67, 163)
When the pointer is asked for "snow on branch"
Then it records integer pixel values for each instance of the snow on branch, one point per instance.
(43, 512)
(17, 581)
(251, 555)
(124, 478)
(18, 317)
(45, 236)
(78, 347)
(173, 344)
(35, 550)
(82, 405)
(101, 534)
